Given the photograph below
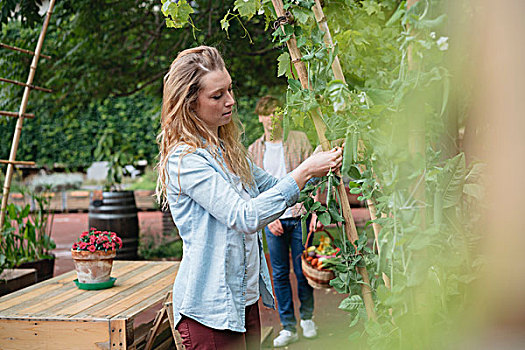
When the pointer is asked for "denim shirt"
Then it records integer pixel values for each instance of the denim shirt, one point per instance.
(213, 220)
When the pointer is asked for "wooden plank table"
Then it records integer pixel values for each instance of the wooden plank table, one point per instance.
(55, 314)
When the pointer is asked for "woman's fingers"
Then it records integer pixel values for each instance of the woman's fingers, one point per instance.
(337, 158)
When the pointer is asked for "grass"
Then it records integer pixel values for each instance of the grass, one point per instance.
(147, 181)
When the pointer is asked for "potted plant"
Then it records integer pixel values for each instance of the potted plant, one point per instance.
(26, 237)
(115, 209)
(93, 254)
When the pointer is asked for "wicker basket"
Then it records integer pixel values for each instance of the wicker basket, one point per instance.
(316, 278)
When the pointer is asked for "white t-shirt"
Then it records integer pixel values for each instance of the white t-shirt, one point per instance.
(273, 163)
(252, 255)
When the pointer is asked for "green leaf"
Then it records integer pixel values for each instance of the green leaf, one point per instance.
(325, 218)
(315, 206)
(306, 3)
(356, 190)
(317, 36)
(354, 321)
(247, 8)
(353, 302)
(335, 215)
(301, 15)
(309, 101)
(225, 23)
(354, 174)
(177, 12)
(338, 94)
(25, 212)
(307, 57)
(295, 85)
(338, 285)
(452, 179)
(301, 41)
(396, 16)
(286, 33)
(283, 65)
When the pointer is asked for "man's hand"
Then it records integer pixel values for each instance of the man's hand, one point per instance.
(276, 227)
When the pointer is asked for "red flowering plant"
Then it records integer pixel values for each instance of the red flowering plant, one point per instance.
(94, 240)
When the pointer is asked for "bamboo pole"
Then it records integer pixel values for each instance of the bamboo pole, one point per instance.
(323, 25)
(27, 85)
(20, 121)
(320, 127)
(14, 48)
(16, 115)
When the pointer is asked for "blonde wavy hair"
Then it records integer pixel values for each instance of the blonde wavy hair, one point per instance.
(180, 125)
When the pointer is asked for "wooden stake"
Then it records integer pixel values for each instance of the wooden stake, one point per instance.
(16, 115)
(20, 121)
(323, 25)
(22, 50)
(16, 162)
(27, 85)
(320, 127)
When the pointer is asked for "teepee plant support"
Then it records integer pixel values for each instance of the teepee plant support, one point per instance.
(28, 86)
(338, 74)
(320, 127)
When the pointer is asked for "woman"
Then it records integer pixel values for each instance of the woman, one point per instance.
(219, 201)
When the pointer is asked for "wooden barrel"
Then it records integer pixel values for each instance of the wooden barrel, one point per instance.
(117, 212)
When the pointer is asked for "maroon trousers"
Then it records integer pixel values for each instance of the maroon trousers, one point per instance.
(197, 336)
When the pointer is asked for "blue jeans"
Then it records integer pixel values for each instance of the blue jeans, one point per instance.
(279, 247)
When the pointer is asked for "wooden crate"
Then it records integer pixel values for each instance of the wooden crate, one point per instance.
(77, 201)
(12, 280)
(55, 314)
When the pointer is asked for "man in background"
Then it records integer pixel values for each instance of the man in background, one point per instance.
(278, 157)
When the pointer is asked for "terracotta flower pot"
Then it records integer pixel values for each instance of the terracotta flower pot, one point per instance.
(93, 267)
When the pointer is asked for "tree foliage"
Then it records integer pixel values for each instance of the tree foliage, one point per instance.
(110, 57)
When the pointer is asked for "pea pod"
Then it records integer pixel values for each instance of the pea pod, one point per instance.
(304, 229)
(329, 196)
(355, 141)
(347, 153)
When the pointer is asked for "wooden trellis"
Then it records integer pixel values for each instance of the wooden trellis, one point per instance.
(320, 127)
(28, 86)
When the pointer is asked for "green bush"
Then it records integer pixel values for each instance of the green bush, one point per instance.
(69, 138)
(166, 248)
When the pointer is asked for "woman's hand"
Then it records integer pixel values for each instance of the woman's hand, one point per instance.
(317, 165)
